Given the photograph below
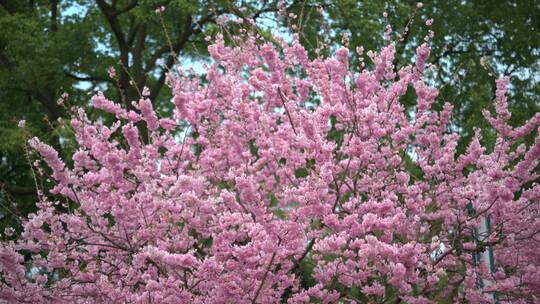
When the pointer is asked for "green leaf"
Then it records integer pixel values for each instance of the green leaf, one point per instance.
(253, 148)
(301, 172)
(334, 134)
(273, 200)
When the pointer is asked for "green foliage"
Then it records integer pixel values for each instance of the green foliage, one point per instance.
(301, 172)
(334, 134)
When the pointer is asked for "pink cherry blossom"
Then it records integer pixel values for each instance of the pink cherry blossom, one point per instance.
(274, 169)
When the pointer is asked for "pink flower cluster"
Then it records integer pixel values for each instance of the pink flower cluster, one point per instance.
(291, 168)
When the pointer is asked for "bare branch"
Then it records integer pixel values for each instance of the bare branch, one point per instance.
(14, 189)
(126, 9)
(87, 78)
(287, 110)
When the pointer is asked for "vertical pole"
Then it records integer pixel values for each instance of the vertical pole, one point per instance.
(487, 255)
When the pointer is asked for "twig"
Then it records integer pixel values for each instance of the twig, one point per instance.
(265, 274)
(286, 110)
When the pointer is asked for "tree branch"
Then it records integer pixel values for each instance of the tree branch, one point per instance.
(265, 275)
(13, 189)
(179, 45)
(287, 110)
(126, 9)
(87, 78)
(54, 15)
(133, 32)
(110, 15)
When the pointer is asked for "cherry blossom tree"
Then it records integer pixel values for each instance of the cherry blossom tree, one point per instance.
(279, 178)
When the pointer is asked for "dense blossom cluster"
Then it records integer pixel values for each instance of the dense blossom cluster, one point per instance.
(281, 178)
